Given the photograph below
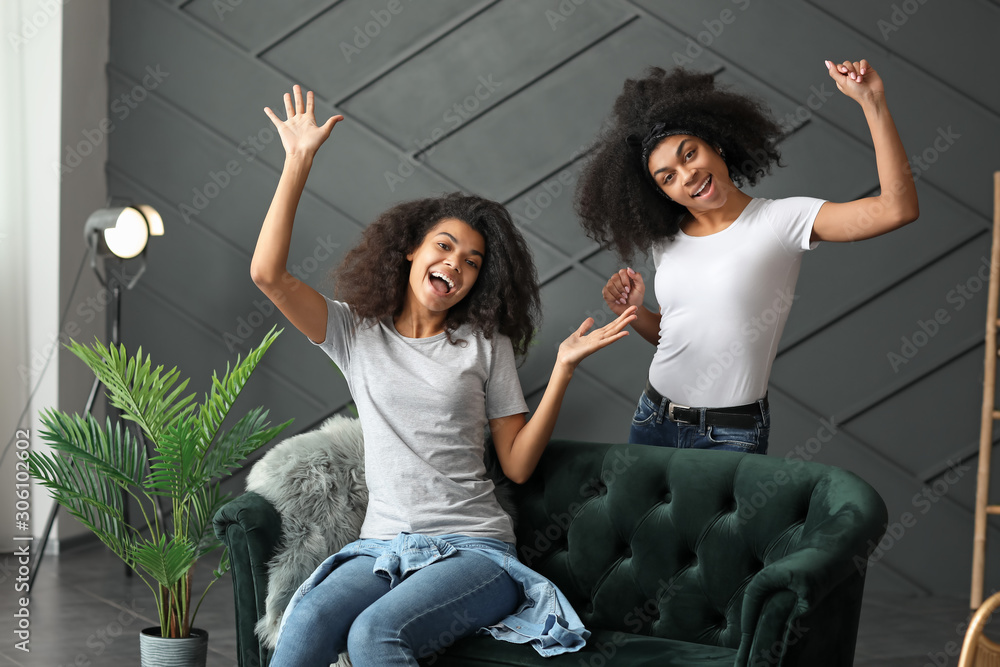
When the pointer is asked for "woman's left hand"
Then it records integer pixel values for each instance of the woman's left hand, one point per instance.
(858, 80)
(581, 345)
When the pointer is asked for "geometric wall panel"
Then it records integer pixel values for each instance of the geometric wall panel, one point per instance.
(883, 333)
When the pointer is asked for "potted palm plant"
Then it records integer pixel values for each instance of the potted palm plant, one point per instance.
(93, 471)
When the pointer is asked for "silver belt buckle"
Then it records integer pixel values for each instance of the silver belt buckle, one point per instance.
(670, 410)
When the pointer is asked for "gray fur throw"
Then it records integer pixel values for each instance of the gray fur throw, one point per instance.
(316, 482)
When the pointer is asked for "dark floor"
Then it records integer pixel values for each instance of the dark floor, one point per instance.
(85, 612)
(82, 614)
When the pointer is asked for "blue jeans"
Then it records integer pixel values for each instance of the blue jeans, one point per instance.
(383, 625)
(652, 426)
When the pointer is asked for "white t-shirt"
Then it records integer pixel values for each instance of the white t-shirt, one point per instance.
(724, 301)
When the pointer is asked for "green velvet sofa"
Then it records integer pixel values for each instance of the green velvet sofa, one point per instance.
(671, 557)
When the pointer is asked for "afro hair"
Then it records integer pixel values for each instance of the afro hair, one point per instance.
(616, 200)
(374, 276)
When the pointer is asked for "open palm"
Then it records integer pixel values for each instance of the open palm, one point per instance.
(299, 133)
(581, 345)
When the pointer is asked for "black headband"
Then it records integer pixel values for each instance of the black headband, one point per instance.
(646, 144)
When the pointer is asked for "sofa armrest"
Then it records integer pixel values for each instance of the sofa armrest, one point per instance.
(816, 588)
(783, 625)
(250, 528)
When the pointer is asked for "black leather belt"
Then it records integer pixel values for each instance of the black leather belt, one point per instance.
(740, 416)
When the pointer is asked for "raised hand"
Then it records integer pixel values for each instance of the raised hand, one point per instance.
(299, 134)
(858, 80)
(625, 288)
(581, 345)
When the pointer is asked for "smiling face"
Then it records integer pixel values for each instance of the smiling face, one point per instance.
(446, 264)
(691, 172)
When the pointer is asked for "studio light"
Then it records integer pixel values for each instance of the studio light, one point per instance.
(122, 231)
(118, 234)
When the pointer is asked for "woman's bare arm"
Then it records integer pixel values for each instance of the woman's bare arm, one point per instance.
(896, 203)
(519, 442)
(304, 307)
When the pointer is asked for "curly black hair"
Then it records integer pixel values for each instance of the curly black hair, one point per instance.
(618, 204)
(374, 276)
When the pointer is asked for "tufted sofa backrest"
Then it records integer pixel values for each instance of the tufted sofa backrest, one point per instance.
(664, 542)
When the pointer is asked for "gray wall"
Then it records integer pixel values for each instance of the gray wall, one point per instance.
(83, 189)
(193, 141)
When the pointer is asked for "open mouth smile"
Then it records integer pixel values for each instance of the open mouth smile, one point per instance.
(442, 283)
(704, 189)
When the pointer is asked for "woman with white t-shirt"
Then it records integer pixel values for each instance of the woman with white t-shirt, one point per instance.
(664, 178)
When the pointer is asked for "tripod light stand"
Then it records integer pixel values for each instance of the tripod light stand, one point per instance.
(116, 235)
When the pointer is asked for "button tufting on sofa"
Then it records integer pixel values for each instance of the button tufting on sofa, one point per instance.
(809, 583)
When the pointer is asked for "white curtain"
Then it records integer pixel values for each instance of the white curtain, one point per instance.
(14, 363)
(31, 53)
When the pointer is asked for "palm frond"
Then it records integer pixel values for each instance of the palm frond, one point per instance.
(114, 452)
(204, 506)
(224, 392)
(165, 560)
(87, 494)
(248, 435)
(223, 564)
(173, 468)
(142, 393)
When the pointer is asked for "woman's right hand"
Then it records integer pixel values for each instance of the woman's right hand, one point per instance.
(625, 288)
(300, 135)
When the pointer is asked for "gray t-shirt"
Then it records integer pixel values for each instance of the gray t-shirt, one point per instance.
(424, 404)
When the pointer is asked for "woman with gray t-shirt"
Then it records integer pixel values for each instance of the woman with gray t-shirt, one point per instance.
(433, 306)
